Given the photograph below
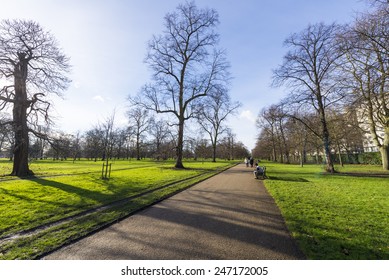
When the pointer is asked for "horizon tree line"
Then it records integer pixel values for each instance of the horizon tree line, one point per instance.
(104, 142)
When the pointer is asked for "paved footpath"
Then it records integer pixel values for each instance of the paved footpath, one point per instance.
(229, 216)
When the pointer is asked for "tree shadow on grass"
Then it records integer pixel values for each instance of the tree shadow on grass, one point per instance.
(62, 206)
(288, 179)
(360, 174)
(81, 192)
(323, 242)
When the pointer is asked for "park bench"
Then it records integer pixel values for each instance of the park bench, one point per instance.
(261, 175)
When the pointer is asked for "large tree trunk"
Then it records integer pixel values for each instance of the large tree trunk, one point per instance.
(180, 144)
(301, 158)
(325, 133)
(384, 149)
(339, 154)
(385, 157)
(137, 146)
(214, 147)
(214, 152)
(20, 159)
(384, 146)
(327, 152)
(284, 144)
(21, 103)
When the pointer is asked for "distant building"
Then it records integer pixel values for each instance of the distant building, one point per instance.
(369, 144)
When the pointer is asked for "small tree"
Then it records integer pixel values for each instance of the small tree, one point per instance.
(31, 66)
(139, 123)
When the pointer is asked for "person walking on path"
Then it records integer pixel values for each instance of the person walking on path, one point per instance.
(229, 216)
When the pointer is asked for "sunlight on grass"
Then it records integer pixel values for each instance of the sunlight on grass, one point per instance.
(334, 216)
(65, 188)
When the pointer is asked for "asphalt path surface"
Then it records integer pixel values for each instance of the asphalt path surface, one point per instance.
(230, 216)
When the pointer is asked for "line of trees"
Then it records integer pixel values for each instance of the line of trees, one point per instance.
(105, 141)
(285, 139)
(337, 77)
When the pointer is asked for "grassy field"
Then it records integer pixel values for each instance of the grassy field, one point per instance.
(341, 216)
(33, 211)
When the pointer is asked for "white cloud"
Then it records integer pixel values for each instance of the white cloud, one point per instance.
(98, 98)
(248, 115)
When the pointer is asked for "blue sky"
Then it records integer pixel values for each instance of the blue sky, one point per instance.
(106, 41)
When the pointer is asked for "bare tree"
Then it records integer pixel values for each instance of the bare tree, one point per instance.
(228, 145)
(298, 137)
(139, 123)
(366, 67)
(31, 66)
(273, 120)
(108, 130)
(60, 146)
(381, 4)
(160, 131)
(264, 146)
(214, 114)
(267, 122)
(186, 66)
(76, 146)
(121, 135)
(94, 143)
(308, 69)
(346, 135)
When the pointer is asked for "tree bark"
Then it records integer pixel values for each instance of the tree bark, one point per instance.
(325, 132)
(339, 154)
(327, 152)
(180, 144)
(21, 103)
(214, 147)
(137, 146)
(384, 146)
(385, 157)
(384, 149)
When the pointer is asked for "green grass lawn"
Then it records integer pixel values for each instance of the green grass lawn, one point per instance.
(340, 216)
(70, 167)
(63, 189)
